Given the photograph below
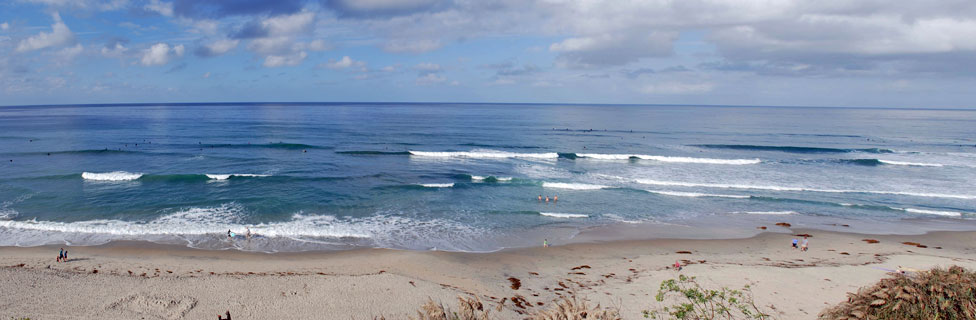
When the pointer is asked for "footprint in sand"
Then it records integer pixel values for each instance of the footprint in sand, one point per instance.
(152, 306)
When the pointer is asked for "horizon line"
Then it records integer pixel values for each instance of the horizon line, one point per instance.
(311, 103)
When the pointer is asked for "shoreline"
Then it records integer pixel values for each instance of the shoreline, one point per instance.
(171, 281)
(713, 227)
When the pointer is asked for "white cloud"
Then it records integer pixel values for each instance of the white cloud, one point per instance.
(4, 26)
(116, 51)
(272, 61)
(103, 5)
(160, 7)
(206, 75)
(60, 35)
(383, 6)
(219, 47)
(428, 67)
(160, 54)
(430, 78)
(69, 53)
(613, 49)
(412, 45)
(344, 63)
(288, 24)
(319, 45)
(674, 87)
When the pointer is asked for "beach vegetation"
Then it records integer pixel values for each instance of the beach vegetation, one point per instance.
(699, 303)
(934, 294)
(473, 309)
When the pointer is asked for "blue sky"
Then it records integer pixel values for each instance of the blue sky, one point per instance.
(748, 52)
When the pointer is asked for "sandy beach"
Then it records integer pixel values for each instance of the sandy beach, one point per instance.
(126, 280)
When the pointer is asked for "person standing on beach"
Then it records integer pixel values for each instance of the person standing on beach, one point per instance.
(545, 243)
(794, 243)
(65, 258)
(806, 241)
(61, 255)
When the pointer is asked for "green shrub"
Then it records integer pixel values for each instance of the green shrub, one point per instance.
(700, 303)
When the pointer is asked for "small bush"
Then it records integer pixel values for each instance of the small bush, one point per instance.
(934, 294)
(700, 303)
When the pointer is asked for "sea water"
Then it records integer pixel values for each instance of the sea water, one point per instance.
(466, 177)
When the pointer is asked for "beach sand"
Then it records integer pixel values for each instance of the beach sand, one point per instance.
(134, 280)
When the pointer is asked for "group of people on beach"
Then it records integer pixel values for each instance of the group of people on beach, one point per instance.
(231, 234)
(554, 198)
(802, 246)
(63, 255)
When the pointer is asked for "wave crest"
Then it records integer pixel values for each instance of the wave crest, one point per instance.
(111, 176)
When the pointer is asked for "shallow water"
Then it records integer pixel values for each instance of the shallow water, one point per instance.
(465, 176)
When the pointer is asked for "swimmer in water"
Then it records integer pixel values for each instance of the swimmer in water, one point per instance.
(547, 198)
(555, 198)
(540, 198)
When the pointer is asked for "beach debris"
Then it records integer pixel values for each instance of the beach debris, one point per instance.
(784, 224)
(533, 273)
(870, 240)
(683, 252)
(516, 283)
(915, 244)
(520, 302)
(412, 284)
(581, 267)
(804, 235)
(761, 227)
(845, 253)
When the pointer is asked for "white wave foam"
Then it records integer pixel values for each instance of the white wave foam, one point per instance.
(915, 164)
(111, 176)
(668, 159)
(772, 212)
(484, 154)
(573, 186)
(482, 178)
(437, 185)
(618, 218)
(227, 176)
(564, 215)
(780, 188)
(201, 221)
(696, 194)
(933, 212)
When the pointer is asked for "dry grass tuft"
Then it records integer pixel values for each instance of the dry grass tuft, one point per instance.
(468, 309)
(473, 309)
(934, 294)
(573, 309)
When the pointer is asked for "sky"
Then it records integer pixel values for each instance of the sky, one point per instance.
(870, 53)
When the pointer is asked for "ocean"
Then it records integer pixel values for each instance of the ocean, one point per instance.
(467, 177)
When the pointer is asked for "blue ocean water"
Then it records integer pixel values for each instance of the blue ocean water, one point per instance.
(464, 176)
